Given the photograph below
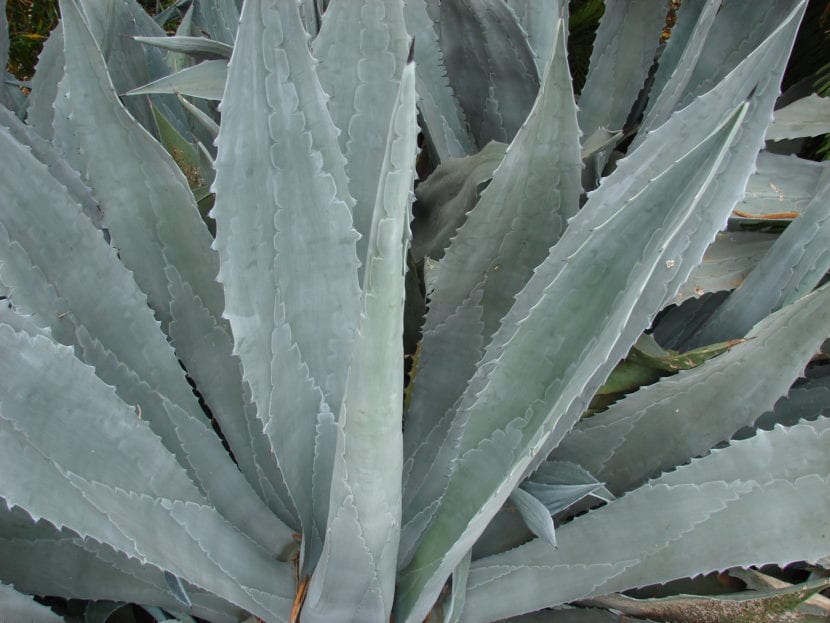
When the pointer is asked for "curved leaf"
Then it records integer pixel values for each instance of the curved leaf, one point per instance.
(794, 265)
(518, 217)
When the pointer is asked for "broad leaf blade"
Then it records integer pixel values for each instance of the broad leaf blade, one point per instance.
(443, 119)
(362, 48)
(368, 457)
(285, 239)
(489, 61)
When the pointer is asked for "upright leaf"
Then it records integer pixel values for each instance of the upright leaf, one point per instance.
(48, 74)
(149, 209)
(443, 119)
(537, 19)
(365, 506)
(489, 61)
(519, 216)
(362, 49)
(624, 48)
(285, 241)
(218, 18)
(677, 62)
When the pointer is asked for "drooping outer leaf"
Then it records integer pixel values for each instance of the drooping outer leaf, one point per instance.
(518, 217)
(205, 80)
(443, 119)
(285, 239)
(794, 265)
(809, 116)
(683, 416)
(489, 61)
(764, 606)
(362, 48)
(712, 514)
(502, 437)
(365, 504)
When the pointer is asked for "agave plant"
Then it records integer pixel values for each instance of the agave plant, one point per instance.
(223, 426)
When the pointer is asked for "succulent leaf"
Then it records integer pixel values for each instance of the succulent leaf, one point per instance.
(683, 416)
(488, 59)
(362, 48)
(696, 523)
(205, 80)
(443, 118)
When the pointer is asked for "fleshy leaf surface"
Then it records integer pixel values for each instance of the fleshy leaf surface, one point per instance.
(674, 527)
(368, 455)
(285, 240)
(664, 425)
(519, 215)
(500, 442)
(362, 48)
